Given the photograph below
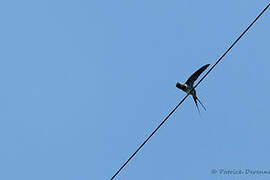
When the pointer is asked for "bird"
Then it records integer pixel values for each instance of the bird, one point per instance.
(188, 85)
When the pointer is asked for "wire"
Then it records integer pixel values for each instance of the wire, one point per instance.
(167, 117)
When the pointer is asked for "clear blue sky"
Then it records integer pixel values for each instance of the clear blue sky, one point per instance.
(83, 83)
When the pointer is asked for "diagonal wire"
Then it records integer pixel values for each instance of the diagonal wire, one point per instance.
(167, 117)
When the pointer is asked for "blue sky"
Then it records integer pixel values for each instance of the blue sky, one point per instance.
(83, 83)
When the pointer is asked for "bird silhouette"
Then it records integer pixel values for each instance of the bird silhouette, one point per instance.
(187, 87)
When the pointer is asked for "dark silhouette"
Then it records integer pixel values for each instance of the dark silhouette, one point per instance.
(187, 87)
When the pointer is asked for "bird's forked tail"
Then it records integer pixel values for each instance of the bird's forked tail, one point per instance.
(201, 103)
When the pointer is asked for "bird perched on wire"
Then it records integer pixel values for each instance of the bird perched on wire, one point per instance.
(187, 87)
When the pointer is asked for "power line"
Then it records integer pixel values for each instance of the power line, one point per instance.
(167, 117)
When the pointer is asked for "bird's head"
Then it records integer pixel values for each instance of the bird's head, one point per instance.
(180, 86)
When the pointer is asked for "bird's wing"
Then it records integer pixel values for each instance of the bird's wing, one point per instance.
(195, 75)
